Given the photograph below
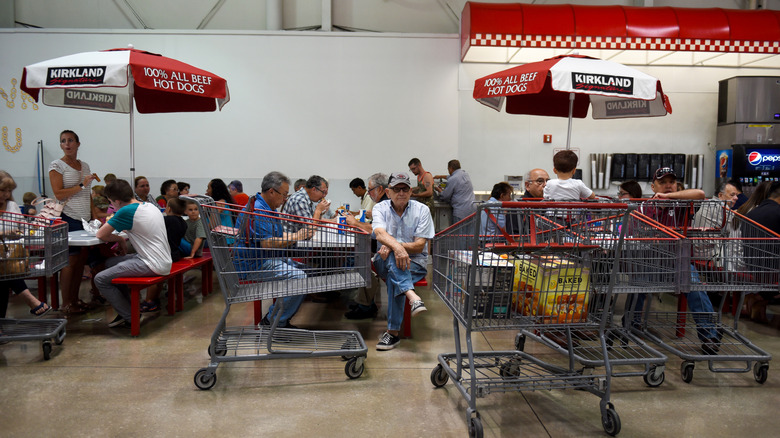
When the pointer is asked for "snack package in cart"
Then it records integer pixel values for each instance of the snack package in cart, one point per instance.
(553, 288)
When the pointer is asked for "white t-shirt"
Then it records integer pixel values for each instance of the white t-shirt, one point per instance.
(78, 205)
(145, 227)
(7, 226)
(566, 190)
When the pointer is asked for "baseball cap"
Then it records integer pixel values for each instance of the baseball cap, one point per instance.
(662, 172)
(399, 178)
(237, 185)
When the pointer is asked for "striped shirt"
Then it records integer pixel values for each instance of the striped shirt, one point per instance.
(77, 206)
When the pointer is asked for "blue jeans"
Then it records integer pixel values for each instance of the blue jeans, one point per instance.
(281, 269)
(398, 282)
(698, 303)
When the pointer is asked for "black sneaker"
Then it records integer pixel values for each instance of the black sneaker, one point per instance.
(417, 307)
(387, 342)
(118, 322)
(362, 312)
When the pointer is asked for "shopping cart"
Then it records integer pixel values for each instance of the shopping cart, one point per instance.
(252, 267)
(727, 253)
(32, 247)
(548, 270)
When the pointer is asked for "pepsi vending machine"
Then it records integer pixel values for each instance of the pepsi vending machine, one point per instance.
(748, 147)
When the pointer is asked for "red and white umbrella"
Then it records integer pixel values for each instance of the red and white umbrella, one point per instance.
(114, 80)
(566, 86)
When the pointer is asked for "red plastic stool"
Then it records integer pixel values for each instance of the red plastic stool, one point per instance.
(406, 326)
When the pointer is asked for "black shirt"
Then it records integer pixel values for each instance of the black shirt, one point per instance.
(767, 214)
(175, 228)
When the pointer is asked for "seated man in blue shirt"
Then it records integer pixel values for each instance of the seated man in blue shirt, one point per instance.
(403, 228)
(267, 232)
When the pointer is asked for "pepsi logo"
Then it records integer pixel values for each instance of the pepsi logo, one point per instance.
(754, 158)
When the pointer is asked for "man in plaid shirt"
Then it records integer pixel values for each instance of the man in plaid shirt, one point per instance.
(308, 202)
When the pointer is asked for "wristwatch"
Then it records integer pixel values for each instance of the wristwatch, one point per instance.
(82, 186)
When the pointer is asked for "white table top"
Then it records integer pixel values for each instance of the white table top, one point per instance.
(82, 238)
(328, 240)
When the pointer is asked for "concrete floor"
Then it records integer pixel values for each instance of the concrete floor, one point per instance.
(102, 383)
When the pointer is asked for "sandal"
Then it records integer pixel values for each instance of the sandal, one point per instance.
(40, 310)
(150, 306)
(73, 309)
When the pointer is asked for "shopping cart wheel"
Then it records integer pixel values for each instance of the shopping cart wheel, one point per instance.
(354, 367)
(686, 370)
(611, 422)
(439, 377)
(520, 342)
(510, 368)
(205, 380)
(47, 351)
(760, 371)
(651, 379)
(475, 428)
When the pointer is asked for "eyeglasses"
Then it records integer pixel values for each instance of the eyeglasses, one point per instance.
(373, 188)
(398, 189)
(285, 195)
(541, 181)
(622, 193)
(324, 192)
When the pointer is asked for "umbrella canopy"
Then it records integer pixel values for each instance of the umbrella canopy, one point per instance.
(114, 80)
(566, 86)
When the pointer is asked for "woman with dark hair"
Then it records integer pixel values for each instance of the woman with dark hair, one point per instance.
(219, 192)
(71, 179)
(759, 195)
(169, 189)
(630, 190)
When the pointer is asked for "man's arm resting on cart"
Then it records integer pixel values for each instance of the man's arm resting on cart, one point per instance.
(682, 194)
(287, 239)
(400, 249)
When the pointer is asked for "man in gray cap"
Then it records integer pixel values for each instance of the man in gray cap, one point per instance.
(236, 189)
(403, 228)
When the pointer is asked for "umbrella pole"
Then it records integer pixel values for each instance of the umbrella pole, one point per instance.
(571, 111)
(132, 142)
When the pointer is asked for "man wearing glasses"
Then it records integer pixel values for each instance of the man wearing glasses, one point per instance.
(308, 202)
(535, 180)
(403, 228)
(266, 236)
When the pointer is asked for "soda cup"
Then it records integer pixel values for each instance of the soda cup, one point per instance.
(346, 207)
(362, 217)
(342, 224)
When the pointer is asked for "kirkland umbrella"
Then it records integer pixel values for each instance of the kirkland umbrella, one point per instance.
(565, 86)
(113, 80)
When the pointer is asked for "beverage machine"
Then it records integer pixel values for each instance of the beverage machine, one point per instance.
(748, 147)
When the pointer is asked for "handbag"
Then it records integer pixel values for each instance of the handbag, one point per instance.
(14, 259)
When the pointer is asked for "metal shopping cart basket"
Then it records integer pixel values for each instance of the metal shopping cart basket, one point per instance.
(256, 257)
(32, 247)
(727, 253)
(539, 268)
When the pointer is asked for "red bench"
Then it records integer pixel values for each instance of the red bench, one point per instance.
(175, 287)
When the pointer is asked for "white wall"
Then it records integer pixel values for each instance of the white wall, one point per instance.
(338, 105)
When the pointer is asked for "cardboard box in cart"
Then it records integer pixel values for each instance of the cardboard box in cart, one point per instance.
(554, 288)
(493, 280)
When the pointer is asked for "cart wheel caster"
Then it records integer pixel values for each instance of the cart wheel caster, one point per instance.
(687, 371)
(220, 351)
(475, 428)
(352, 369)
(509, 368)
(203, 380)
(760, 371)
(520, 342)
(611, 422)
(651, 379)
(47, 351)
(439, 377)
